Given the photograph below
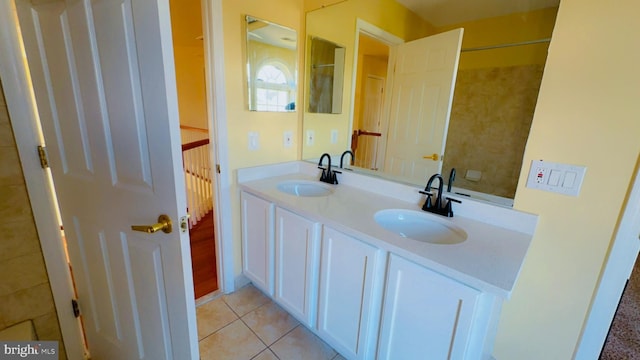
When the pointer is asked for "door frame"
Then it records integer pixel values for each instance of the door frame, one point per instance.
(28, 135)
(212, 25)
(617, 268)
(363, 27)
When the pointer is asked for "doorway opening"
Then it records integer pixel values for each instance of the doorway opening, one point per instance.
(197, 155)
(623, 339)
(371, 78)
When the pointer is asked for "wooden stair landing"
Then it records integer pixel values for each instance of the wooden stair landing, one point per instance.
(203, 256)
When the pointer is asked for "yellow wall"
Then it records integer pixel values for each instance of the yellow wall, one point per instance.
(190, 79)
(533, 25)
(386, 14)
(240, 121)
(588, 114)
(310, 5)
(189, 62)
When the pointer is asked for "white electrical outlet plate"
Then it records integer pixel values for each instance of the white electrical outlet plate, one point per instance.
(311, 137)
(561, 178)
(334, 136)
(288, 139)
(254, 143)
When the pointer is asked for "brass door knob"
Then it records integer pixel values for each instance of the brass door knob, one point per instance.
(433, 157)
(164, 224)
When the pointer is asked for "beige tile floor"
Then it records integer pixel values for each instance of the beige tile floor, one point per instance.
(248, 325)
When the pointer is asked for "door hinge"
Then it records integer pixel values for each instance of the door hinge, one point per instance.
(218, 168)
(44, 158)
(76, 307)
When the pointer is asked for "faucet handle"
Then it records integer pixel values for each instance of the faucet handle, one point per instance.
(448, 209)
(323, 176)
(454, 200)
(427, 204)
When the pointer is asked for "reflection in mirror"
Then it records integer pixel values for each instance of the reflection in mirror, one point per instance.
(494, 97)
(326, 77)
(271, 66)
(490, 121)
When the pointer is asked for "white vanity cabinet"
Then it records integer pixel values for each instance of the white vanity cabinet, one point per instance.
(351, 274)
(296, 254)
(427, 315)
(257, 241)
(366, 297)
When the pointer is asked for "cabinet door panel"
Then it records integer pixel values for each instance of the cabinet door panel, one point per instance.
(346, 286)
(257, 241)
(295, 264)
(424, 314)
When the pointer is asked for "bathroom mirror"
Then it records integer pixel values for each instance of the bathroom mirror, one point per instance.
(498, 78)
(326, 76)
(271, 66)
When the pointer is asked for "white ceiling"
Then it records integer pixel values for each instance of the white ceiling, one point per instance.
(447, 12)
(272, 34)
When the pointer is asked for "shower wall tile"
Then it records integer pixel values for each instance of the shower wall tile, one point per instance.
(10, 170)
(14, 204)
(6, 135)
(490, 120)
(4, 113)
(26, 272)
(47, 326)
(27, 304)
(25, 292)
(18, 239)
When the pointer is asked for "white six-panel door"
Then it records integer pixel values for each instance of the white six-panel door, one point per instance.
(422, 93)
(104, 83)
(367, 154)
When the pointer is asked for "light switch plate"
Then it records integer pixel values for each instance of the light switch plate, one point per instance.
(288, 139)
(556, 177)
(334, 136)
(311, 137)
(254, 142)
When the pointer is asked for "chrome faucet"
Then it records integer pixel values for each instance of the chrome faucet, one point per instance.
(345, 153)
(328, 175)
(438, 208)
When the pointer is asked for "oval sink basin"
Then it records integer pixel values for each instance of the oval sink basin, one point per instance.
(305, 188)
(420, 226)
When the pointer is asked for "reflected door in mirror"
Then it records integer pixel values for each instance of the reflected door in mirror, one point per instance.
(422, 92)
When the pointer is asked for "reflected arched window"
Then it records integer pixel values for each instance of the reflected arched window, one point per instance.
(272, 89)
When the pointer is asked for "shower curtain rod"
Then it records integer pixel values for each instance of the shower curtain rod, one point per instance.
(489, 47)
